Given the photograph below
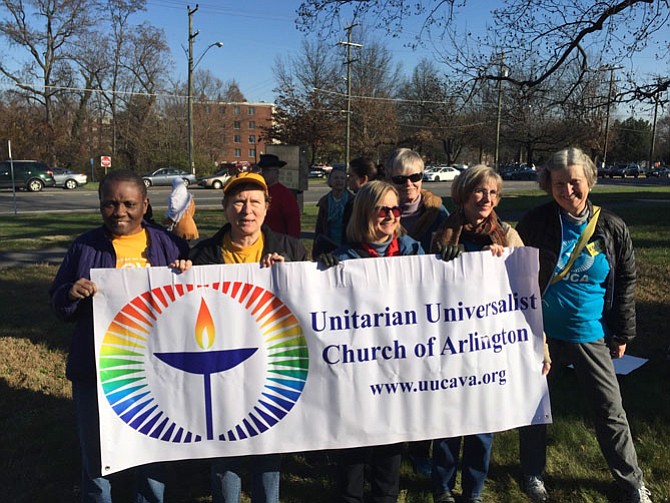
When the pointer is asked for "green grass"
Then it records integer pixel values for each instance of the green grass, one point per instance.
(39, 458)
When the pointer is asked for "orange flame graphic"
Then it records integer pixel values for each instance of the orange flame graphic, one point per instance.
(204, 327)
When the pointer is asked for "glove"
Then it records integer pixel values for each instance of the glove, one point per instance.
(328, 260)
(448, 252)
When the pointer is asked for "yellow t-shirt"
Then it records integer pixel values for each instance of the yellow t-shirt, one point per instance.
(233, 254)
(131, 251)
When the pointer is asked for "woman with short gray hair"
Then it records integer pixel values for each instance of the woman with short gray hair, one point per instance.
(422, 211)
(587, 278)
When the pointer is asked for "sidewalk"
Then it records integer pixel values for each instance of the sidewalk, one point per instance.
(31, 257)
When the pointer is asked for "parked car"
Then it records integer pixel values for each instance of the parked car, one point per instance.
(624, 170)
(660, 172)
(217, 180)
(68, 179)
(28, 175)
(518, 172)
(604, 171)
(523, 173)
(164, 176)
(316, 172)
(440, 174)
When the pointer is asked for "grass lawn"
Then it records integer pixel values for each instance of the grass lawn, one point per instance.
(39, 457)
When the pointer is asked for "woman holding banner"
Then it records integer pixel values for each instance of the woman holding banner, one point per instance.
(474, 226)
(125, 240)
(587, 278)
(373, 231)
(246, 239)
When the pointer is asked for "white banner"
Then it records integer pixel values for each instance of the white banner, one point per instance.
(233, 359)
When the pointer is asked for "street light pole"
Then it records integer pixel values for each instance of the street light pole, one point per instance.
(189, 119)
(191, 67)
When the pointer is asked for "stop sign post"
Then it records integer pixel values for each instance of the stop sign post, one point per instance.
(105, 162)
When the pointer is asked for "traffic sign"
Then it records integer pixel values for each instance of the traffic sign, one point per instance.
(105, 161)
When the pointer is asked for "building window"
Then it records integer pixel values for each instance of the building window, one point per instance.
(236, 110)
(252, 110)
(252, 138)
(238, 138)
(238, 152)
(208, 109)
(252, 153)
(222, 109)
(252, 124)
(236, 124)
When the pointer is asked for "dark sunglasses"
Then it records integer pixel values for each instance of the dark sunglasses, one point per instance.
(383, 211)
(402, 179)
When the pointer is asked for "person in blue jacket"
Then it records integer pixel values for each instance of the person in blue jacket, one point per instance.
(373, 231)
(125, 240)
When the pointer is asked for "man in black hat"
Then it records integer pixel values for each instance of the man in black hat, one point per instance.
(283, 215)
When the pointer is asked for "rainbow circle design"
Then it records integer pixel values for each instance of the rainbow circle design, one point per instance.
(123, 358)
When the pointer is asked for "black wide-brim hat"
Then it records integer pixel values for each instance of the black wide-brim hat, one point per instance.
(270, 161)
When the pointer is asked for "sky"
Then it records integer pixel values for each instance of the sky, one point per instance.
(254, 33)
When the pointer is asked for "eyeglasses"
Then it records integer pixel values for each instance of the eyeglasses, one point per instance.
(384, 211)
(402, 179)
(491, 194)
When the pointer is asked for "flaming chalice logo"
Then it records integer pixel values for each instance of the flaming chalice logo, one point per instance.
(126, 362)
(208, 362)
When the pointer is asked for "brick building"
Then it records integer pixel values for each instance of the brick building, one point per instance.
(244, 126)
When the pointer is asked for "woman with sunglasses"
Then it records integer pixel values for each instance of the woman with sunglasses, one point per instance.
(422, 214)
(474, 226)
(373, 231)
(422, 211)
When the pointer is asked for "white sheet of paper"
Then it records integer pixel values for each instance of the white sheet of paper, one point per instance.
(627, 363)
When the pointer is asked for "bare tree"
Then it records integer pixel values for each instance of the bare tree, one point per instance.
(115, 51)
(45, 31)
(375, 80)
(143, 75)
(307, 102)
(554, 34)
(431, 115)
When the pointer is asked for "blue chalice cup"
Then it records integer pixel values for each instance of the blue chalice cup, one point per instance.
(206, 363)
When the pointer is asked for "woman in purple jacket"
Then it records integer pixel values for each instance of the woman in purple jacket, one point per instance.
(124, 240)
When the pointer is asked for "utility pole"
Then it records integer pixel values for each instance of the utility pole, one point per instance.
(653, 135)
(191, 67)
(189, 120)
(348, 62)
(502, 72)
(607, 116)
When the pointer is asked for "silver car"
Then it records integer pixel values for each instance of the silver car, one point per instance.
(215, 181)
(68, 179)
(164, 176)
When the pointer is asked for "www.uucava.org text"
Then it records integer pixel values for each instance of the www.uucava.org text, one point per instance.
(496, 377)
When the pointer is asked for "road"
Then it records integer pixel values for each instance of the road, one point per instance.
(53, 200)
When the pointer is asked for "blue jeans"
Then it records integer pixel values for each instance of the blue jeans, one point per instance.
(475, 464)
(227, 482)
(149, 479)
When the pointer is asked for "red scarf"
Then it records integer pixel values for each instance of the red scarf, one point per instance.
(392, 250)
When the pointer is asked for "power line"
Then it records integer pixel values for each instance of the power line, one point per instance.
(379, 98)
